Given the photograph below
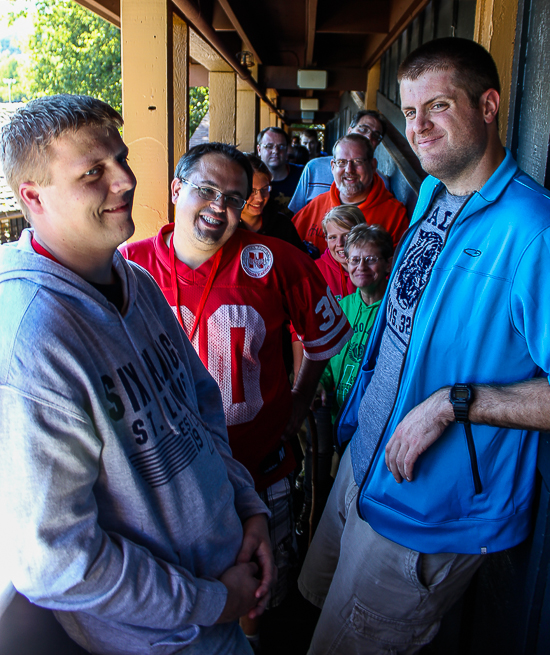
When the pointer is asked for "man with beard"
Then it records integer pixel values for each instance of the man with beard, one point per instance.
(445, 415)
(355, 183)
(316, 177)
(233, 292)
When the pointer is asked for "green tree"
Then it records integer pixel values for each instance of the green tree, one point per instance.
(9, 70)
(72, 50)
(198, 106)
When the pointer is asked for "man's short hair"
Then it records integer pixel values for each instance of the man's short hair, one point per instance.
(277, 130)
(355, 138)
(312, 134)
(370, 112)
(375, 234)
(298, 155)
(190, 160)
(33, 128)
(344, 216)
(258, 165)
(474, 69)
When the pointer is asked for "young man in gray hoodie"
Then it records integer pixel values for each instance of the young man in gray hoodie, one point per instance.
(125, 511)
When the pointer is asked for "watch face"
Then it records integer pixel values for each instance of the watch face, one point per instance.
(461, 396)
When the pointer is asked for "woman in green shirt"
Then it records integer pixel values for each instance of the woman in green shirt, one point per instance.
(369, 251)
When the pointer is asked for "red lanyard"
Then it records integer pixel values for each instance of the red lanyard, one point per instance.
(344, 282)
(206, 291)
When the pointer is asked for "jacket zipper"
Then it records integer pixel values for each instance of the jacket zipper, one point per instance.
(472, 452)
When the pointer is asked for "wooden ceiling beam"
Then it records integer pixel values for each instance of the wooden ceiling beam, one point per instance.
(311, 25)
(237, 24)
(192, 14)
(108, 9)
(375, 50)
(198, 75)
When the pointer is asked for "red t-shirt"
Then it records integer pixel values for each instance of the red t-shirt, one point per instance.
(261, 284)
(335, 275)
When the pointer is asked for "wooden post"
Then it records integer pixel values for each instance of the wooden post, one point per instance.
(146, 39)
(223, 104)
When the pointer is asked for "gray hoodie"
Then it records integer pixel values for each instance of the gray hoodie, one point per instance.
(121, 504)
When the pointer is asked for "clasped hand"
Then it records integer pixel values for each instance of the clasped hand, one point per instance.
(250, 580)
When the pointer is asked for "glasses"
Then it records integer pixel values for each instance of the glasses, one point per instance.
(264, 191)
(210, 194)
(356, 163)
(369, 261)
(367, 131)
(272, 146)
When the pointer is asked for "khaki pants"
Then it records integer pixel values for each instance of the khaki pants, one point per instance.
(376, 596)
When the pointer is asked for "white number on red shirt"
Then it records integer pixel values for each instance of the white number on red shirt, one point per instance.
(235, 335)
(324, 308)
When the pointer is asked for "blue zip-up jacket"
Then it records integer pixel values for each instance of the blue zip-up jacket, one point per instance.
(484, 317)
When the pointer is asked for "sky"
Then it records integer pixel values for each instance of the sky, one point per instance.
(22, 26)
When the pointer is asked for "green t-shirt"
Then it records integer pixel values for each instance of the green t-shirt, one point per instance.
(341, 370)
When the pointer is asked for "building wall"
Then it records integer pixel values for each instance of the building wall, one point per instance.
(529, 120)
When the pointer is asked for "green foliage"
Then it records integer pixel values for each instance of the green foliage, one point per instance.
(198, 106)
(73, 51)
(9, 69)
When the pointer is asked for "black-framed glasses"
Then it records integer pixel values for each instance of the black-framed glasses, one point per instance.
(211, 194)
(369, 261)
(367, 131)
(359, 162)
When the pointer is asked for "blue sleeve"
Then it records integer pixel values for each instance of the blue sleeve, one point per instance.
(299, 198)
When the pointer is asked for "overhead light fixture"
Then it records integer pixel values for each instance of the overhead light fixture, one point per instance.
(308, 79)
(309, 104)
(245, 59)
(308, 115)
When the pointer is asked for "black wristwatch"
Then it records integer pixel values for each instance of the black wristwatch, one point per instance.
(461, 397)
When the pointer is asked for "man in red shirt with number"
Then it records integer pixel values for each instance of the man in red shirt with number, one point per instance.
(234, 292)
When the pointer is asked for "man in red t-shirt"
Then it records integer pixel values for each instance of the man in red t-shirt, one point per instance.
(355, 183)
(234, 292)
